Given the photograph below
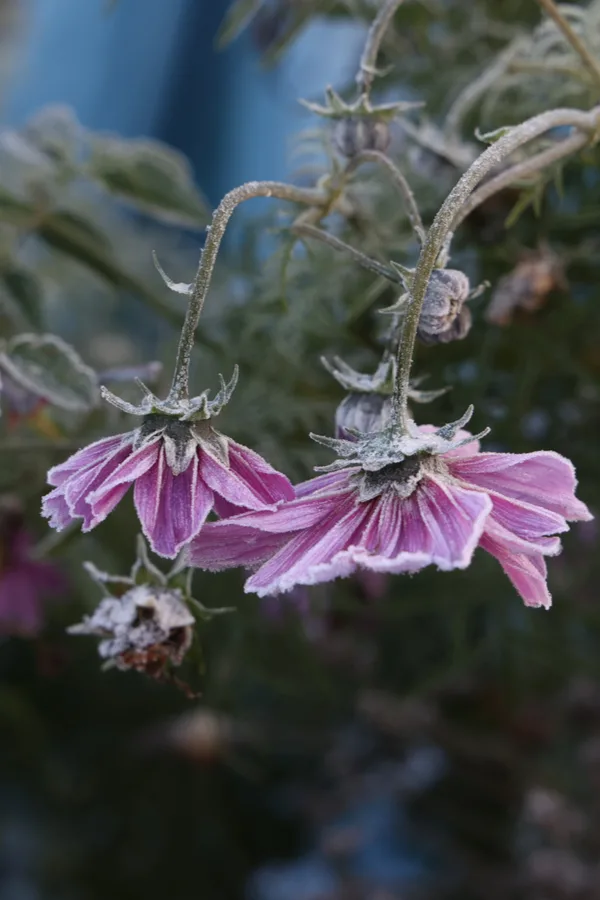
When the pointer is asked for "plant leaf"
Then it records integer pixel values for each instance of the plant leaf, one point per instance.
(50, 368)
(150, 176)
(21, 295)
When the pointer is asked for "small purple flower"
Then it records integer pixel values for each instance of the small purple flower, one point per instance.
(433, 507)
(25, 583)
(180, 470)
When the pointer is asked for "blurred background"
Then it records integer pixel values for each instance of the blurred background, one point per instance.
(370, 739)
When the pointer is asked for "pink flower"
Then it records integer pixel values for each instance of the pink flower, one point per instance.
(24, 582)
(424, 510)
(180, 470)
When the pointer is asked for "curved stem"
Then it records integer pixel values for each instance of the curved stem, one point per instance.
(573, 38)
(443, 223)
(399, 180)
(520, 171)
(306, 230)
(214, 236)
(366, 68)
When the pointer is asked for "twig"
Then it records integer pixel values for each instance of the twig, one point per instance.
(399, 180)
(306, 230)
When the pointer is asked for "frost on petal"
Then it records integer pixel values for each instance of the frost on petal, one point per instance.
(55, 509)
(315, 554)
(79, 488)
(444, 521)
(380, 548)
(89, 456)
(331, 481)
(529, 523)
(513, 543)
(266, 482)
(230, 483)
(293, 516)
(225, 545)
(109, 488)
(171, 508)
(543, 478)
(527, 573)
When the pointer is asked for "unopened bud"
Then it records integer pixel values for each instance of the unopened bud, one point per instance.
(362, 412)
(353, 134)
(444, 317)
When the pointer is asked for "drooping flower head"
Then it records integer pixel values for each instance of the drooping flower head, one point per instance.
(396, 502)
(25, 583)
(180, 466)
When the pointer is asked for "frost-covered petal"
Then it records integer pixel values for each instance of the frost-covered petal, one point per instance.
(378, 549)
(171, 508)
(226, 545)
(543, 478)
(444, 521)
(88, 456)
(527, 522)
(79, 488)
(329, 482)
(527, 573)
(266, 482)
(230, 482)
(56, 510)
(315, 554)
(512, 543)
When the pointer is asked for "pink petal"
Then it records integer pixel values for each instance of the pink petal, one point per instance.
(79, 488)
(293, 516)
(512, 543)
(266, 482)
(329, 482)
(543, 478)
(527, 522)
(56, 510)
(88, 456)
(527, 573)
(225, 545)
(444, 521)
(171, 508)
(315, 554)
(229, 484)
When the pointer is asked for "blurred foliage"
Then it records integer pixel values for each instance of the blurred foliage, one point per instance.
(435, 704)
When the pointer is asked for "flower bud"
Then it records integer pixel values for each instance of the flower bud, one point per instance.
(362, 412)
(353, 134)
(443, 317)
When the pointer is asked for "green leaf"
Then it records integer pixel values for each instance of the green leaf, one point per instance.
(237, 18)
(150, 176)
(490, 137)
(21, 295)
(50, 368)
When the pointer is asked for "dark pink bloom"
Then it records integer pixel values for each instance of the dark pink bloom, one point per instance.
(180, 472)
(25, 584)
(405, 516)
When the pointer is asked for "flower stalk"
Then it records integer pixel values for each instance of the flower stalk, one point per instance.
(214, 234)
(367, 70)
(444, 223)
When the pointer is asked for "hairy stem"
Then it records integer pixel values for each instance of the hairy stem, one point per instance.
(447, 215)
(214, 236)
(367, 66)
(303, 229)
(588, 58)
(412, 210)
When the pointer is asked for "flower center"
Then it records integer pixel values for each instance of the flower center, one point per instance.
(402, 478)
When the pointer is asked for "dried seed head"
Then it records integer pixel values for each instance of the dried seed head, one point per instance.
(354, 134)
(527, 287)
(444, 317)
(146, 629)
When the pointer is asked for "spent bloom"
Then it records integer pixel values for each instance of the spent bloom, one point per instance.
(180, 467)
(397, 503)
(25, 582)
